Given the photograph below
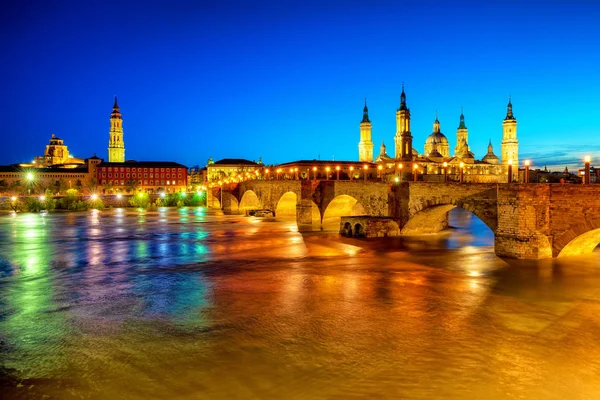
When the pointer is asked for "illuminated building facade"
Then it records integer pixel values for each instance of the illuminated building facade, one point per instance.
(231, 169)
(116, 145)
(19, 179)
(437, 151)
(142, 176)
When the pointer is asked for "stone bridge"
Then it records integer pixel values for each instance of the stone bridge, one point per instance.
(528, 221)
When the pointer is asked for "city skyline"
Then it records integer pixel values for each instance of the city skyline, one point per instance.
(287, 82)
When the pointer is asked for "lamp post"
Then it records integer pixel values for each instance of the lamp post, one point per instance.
(400, 167)
(327, 169)
(415, 170)
(527, 164)
(267, 173)
(586, 176)
(462, 172)
(445, 172)
(314, 173)
(365, 167)
(509, 171)
(29, 180)
(351, 172)
(278, 171)
(337, 170)
(296, 172)
(379, 169)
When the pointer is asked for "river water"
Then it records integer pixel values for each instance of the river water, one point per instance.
(180, 304)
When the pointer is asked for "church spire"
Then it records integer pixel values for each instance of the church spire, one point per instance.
(365, 112)
(462, 125)
(116, 105)
(403, 100)
(509, 112)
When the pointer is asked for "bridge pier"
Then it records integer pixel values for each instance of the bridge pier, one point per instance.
(523, 222)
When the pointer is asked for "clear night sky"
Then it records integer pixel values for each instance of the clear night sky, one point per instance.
(286, 80)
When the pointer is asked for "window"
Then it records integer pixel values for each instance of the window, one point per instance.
(145, 182)
(145, 169)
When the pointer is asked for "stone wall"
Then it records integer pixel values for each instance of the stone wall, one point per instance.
(368, 226)
(523, 222)
(412, 199)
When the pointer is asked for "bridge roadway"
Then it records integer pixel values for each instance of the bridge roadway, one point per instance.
(529, 221)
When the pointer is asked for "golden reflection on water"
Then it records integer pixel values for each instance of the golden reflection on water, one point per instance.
(189, 304)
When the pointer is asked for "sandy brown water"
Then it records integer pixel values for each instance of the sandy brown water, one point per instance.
(182, 304)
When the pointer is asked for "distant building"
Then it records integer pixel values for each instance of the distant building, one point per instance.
(142, 176)
(25, 179)
(231, 168)
(118, 175)
(437, 150)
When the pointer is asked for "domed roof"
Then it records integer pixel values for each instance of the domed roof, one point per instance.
(489, 157)
(437, 138)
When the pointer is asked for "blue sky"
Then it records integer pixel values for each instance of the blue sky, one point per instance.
(285, 80)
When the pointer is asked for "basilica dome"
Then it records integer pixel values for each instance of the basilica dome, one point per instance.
(436, 138)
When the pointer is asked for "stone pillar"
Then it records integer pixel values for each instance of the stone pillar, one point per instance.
(523, 222)
(304, 206)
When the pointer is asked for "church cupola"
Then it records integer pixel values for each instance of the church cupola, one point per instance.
(436, 124)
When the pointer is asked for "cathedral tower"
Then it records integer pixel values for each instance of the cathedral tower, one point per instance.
(510, 144)
(462, 138)
(365, 146)
(403, 138)
(116, 146)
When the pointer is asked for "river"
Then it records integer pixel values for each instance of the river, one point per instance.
(190, 303)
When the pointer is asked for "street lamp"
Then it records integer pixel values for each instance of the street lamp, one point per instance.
(445, 172)
(94, 196)
(400, 167)
(314, 173)
(365, 167)
(327, 169)
(338, 172)
(527, 164)
(267, 173)
(510, 171)
(415, 171)
(586, 177)
(296, 172)
(462, 171)
(379, 168)
(351, 172)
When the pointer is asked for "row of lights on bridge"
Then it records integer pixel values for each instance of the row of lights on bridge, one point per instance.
(527, 164)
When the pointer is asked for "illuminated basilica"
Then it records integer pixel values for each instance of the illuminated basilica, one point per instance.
(437, 155)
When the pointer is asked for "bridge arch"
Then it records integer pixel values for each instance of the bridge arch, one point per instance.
(249, 201)
(340, 206)
(580, 239)
(286, 206)
(432, 218)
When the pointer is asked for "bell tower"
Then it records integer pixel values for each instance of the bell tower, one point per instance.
(116, 146)
(403, 138)
(510, 144)
(462, 138)
(365, 146)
